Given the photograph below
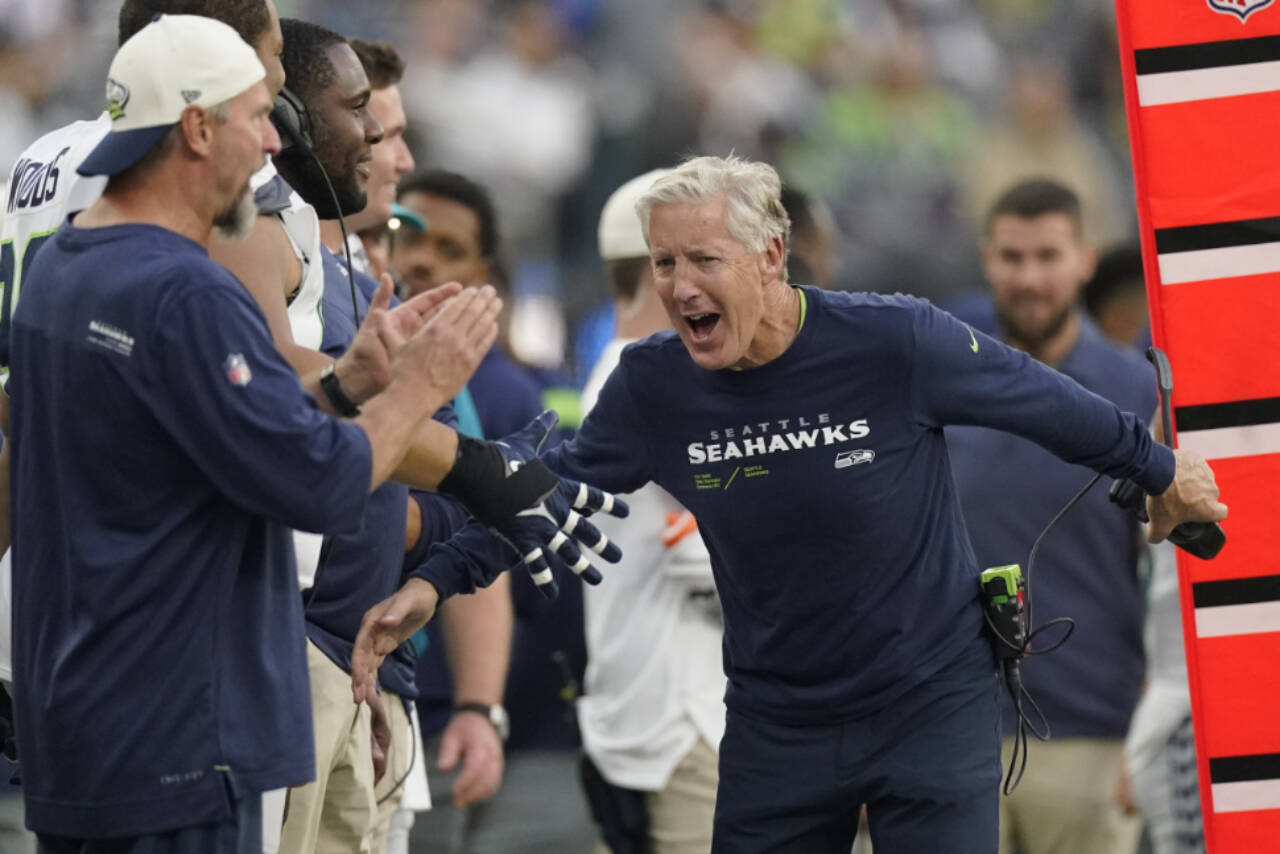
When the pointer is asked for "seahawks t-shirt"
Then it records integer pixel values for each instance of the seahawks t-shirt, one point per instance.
(822, 488)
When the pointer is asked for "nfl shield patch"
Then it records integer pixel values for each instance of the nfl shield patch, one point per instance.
(1242, 9)
(237, 369)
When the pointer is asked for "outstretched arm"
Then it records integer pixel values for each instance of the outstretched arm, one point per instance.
(962, 377)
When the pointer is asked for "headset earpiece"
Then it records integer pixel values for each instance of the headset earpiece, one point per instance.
(290, 117)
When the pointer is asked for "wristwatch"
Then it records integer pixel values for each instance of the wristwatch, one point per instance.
(494, 714)
(332, 389)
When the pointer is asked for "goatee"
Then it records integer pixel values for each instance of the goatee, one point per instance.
(236, 222)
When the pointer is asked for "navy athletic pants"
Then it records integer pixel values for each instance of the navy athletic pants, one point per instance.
(927, 767)
(239, 833)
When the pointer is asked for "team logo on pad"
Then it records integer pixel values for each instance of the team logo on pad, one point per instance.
(1242, 9)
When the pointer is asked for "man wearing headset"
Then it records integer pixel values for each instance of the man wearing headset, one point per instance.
(329, 169)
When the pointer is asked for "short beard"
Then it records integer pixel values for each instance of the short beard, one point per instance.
(236, 222)
(305, 175)
(1033, 339)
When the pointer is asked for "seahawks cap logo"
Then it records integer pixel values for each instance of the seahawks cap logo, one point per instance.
(117, 98)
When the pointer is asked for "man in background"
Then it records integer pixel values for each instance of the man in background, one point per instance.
(1036, 261)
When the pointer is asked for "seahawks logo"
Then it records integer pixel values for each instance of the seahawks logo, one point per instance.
(117, 98)
(846, 459)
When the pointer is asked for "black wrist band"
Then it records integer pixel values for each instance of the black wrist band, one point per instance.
(481, 481)
(345, 406)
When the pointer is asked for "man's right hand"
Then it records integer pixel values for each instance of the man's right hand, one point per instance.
(438, 359)
(365, 368)
(471, 739)
(1192, 497)
(384, 627)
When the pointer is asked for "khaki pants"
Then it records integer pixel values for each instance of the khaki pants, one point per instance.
(1064, 803)
(390, 788)
(682, 815)
(335, 813)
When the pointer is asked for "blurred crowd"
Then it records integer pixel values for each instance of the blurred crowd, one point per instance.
(905, 117)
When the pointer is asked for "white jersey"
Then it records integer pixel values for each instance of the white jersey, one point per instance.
(302, 226)
(655, 679)
(44, 189)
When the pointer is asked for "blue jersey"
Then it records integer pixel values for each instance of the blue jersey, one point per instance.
(822, 488)
(161, 447)
(364, 567)
(1086, 568)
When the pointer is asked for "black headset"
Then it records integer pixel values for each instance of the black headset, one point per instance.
(292, 122)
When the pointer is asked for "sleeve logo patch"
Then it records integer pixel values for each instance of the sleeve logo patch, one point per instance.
(237, 369)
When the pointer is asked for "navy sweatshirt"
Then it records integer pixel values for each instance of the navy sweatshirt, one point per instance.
(161, 445)
(822, 487)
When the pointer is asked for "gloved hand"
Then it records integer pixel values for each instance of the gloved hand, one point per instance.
(531, 509)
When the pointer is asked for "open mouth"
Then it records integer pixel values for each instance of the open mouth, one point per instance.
(702, 325)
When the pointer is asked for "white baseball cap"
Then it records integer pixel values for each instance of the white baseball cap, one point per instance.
(172, 63)
(620, 234)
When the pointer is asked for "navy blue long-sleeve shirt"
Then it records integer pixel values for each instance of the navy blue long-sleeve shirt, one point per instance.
(364, 567)
(161, 445)
(822, 488)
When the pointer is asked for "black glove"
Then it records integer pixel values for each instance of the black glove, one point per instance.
(505, 486)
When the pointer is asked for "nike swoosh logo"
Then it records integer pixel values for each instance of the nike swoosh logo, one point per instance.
(974, 339)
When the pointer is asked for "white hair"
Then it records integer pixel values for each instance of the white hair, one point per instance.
(754, 215)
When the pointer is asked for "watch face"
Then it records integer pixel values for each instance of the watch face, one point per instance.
(498, 717)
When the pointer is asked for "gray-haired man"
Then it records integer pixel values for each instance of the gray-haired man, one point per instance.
(803, 429)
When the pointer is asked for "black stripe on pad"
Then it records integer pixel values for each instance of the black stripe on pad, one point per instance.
(1236, 413)
(1244, 769)
(1218, 235)
(1236, 591)
(1193, 57)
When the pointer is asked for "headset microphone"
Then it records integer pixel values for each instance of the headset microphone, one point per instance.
(292, 121)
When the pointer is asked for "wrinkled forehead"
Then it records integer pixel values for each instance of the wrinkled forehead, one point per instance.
(681, 225)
